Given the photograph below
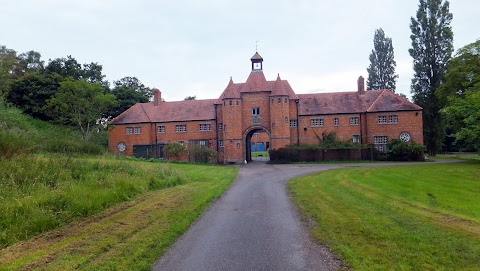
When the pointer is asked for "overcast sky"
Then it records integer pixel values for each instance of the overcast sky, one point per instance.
(188, 47)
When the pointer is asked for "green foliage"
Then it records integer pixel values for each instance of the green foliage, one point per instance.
(188, 98)
(21, 134)
(31, 93)
(459, 95)
(7, 61)
(175, 149)
(416, 217)
(39, 194)
(126, 96)
(381, 71)
(80, 103)
(432, 47)
(204, 154)
(463, 115)
(399, 150)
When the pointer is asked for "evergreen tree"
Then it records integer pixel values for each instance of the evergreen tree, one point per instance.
(432, 47)
(381, 72)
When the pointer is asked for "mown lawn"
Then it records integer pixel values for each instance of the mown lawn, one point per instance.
(259, 153)
(422, 217)
(98, 213)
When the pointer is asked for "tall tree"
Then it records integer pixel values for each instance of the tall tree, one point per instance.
(432, 47)
(460, 94)
(134, 83)
(80, 103)
(31, 92)
(381, 72)
(7, 62)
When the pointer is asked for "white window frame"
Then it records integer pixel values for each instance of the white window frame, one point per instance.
(393, 119)
(220, 143)
(180, 128)
(356, 138)
(382, 119)
(204, 127)
(316, 122)
(336, 122)
(161, 129)
(354, 121)
(293, 123)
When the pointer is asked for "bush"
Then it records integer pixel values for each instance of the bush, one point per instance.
(399, 150)
(175, 149)
(204, 154)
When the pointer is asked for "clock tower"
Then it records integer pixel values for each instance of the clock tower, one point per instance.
(257, 62)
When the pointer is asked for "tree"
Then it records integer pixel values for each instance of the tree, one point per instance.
(7, 62)
(381, 72)
(463, 72)
(128, 91)
(80, 103)
(31, 92)
(93, 73)
(65, 67)
(432, 47)
(28, 62)
(460, 95)
(188, 98)
(126, 97)
(463, 114)
(134, 83)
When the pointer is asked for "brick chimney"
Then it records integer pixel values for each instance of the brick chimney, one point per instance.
(157, 97)
(361, 85)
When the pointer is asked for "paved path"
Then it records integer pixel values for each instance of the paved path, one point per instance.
(253, 226)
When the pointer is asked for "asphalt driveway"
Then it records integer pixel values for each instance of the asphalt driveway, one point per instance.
(254, 226)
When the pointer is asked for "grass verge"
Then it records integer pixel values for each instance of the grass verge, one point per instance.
(160, 202)
(421, 217)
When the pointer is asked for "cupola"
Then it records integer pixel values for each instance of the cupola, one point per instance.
(257, 62)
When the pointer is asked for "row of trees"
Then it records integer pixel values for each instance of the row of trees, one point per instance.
(447, 88)
(65, 91)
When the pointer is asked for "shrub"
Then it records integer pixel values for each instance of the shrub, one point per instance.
(399, 150)
(204, 154)
(175, 149)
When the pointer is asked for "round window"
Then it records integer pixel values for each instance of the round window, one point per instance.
(122, 146)
(405, 137)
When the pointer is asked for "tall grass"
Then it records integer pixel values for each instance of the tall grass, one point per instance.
(40, 193)
(22, 134)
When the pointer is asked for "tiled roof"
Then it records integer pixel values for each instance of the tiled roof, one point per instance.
(167, 112)
(256, 82)
(256, 56)
(352, 102)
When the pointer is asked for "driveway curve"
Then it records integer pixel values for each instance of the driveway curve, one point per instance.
(254, 226)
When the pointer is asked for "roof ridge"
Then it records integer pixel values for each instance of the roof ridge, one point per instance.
(148, 117)
(376, 100)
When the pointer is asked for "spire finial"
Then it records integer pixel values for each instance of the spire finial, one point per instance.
(256, 45)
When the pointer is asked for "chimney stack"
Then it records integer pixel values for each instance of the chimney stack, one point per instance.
(157, 97)
(361, 85)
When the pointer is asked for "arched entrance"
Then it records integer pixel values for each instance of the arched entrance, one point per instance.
(256, 139)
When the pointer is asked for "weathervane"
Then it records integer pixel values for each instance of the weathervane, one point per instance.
(256, 46)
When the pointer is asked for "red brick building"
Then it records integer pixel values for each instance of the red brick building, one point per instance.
(227, 124)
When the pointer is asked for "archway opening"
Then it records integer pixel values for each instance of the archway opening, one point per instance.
(257, 144)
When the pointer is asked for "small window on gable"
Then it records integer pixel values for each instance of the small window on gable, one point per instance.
(230, 102)
(255, 111)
